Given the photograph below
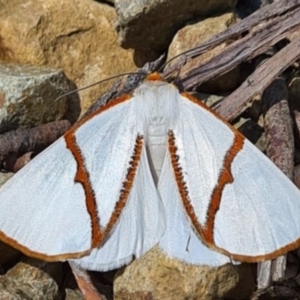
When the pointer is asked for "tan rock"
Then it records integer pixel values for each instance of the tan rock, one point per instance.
(155, 276)
(191, 36)
(77, 36)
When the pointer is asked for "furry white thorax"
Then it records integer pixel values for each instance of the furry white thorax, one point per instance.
(158, 112)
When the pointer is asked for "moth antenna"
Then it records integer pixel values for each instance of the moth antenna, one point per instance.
(101, 81)
(184, 54)
(177, 81)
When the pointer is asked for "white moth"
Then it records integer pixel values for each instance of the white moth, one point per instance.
(157, 167)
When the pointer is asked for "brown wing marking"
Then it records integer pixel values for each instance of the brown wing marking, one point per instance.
(127, 185)
(225, 177)
(98, 235)
(82, 177)
(206, 232)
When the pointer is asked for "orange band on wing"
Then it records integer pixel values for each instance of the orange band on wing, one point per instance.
(206, 232)
(83, 177)
(51, 258)
(225, 177)
(181, 184)
(127, 184)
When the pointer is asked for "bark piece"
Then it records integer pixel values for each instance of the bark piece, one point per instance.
(131, 82)
(264, 14)
(85, 284)
(244, 49)
(280, 149)
(20, 141)
(22, 161)
(278, 127)
(235, 103)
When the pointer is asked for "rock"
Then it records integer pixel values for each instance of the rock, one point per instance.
(250, 129)
(146, 24)
(76, 36)
(107, 1)
(8, 294)
(255, 108)
(209, 99)
(27, 282)
(297, 176)
(193, 35)
(27, 96)
(294, 93)
(155, 276)
(245, 7)
(4, 177)
(261, 143)
(73, 295)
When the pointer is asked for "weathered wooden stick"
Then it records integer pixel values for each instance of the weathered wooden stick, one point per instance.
(35, 139)
(264, 14)
(85, 284)
(235, 103)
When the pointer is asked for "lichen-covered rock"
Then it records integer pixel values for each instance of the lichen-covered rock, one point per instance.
(24, 281)
(27, 96)
(73, 295)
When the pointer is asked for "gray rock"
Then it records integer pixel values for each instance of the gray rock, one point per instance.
(27, 96)
(148, 24)
(245, 7)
